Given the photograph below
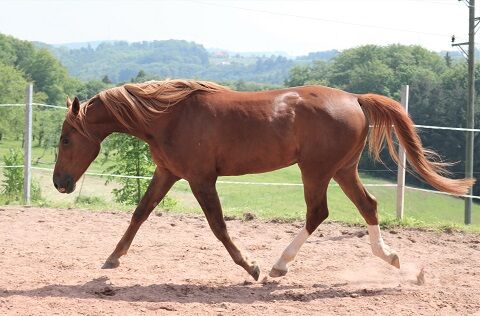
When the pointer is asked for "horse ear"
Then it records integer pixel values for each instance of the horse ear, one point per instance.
(75, 106)
(69, 102)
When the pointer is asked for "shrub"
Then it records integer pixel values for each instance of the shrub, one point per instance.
(90, 200)
(12, 184)
(168, 203)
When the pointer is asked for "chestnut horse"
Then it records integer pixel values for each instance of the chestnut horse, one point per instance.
(199, 130)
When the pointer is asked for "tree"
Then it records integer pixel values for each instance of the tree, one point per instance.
(373, 76)
(448, 60)
(48, 76)
(12, 90)
(91, 88)
(12, 84)
(315, 73)
(132, 158)
(106, 80)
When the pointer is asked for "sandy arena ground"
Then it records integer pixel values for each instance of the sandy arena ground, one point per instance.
(50, 263)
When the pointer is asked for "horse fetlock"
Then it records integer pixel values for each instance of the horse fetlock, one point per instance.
(381, 250)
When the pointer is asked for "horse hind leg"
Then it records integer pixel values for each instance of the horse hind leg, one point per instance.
(350, 182)
(317, 211)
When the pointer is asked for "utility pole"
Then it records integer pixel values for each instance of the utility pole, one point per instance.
(473, 22)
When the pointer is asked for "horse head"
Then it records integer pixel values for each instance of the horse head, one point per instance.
(76, 150)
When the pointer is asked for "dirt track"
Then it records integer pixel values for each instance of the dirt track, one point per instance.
(50, 264)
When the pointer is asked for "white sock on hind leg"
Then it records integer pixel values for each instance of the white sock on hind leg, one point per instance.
(379, 248)
(291, 251)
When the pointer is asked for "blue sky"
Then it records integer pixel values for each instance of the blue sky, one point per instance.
(294, 27)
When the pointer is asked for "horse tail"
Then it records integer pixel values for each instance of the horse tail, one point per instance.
(383, 113)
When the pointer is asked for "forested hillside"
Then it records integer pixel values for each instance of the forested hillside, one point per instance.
(21, 61)
(121, 61)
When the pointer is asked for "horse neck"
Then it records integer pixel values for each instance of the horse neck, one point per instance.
(102, 123)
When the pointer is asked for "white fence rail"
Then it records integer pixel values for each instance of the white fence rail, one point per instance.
(400, 185)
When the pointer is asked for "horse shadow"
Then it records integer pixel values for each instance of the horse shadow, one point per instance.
(243, 293)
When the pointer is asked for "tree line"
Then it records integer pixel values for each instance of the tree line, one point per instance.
(175, 59)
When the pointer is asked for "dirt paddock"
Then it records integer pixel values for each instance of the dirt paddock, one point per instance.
(50, 263)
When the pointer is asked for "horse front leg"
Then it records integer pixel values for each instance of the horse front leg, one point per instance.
(207, 196)
(161, 183)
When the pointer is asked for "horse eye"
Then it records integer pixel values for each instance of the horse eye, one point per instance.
(65, 141)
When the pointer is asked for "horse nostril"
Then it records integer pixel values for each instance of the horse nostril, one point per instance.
(55, 185)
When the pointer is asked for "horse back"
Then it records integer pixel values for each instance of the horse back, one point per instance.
(234, 133)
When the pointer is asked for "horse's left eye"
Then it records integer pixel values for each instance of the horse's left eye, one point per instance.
(65, 141)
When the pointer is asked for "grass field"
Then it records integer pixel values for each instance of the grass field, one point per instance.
(266, 201)
(287, 202)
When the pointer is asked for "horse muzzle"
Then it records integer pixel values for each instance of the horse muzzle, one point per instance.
(64, 183)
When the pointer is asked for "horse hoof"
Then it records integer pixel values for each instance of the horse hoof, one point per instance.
(395, 261)
(111, 264)
(255, 272)
(276, 273)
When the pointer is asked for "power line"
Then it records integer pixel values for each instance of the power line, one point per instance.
(319, 19)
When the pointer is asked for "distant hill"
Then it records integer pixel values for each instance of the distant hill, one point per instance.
(121, 61)
(78, 45)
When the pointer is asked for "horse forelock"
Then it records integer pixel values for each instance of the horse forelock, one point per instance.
(78, 121)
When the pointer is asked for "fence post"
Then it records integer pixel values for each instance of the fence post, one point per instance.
(27, 156)
(402, 162)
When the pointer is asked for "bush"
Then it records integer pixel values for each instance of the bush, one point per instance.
(35, 191)
(12, 184)
(168, 203)
(131, 157)
(90, 200)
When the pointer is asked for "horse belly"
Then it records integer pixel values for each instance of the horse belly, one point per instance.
(257, 149)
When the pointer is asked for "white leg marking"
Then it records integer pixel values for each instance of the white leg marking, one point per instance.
(379, 248)
(291, 251)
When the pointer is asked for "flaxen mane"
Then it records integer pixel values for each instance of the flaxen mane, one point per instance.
(138, 103)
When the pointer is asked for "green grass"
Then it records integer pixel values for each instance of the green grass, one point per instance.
(286, 202)
(268, 202)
